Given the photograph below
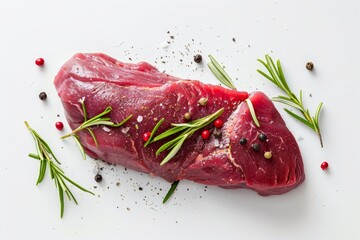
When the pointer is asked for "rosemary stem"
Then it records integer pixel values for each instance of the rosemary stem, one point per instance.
(72, 133)
(320, 137)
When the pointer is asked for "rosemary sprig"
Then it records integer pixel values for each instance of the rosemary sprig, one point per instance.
(171, 191)
(220, 73)
(94, 121)
(185, 131)
(48, 160)
(277, 77)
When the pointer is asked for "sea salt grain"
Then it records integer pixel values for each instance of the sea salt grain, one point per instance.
(106, 129)
(165, 44)
(125, 130)
(139, 118)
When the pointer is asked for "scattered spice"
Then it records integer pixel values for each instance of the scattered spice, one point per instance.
(310, 66)
(140, 188)
(40, 61)
(203, 101)
(262, 137)
(198, 58)
(233, 39)
(218, 123)
(59, 125)
(98, 178)
(268, 155)
(205, 134)
(243, 141)
(42, 96)
(217, 133)
(146, 136)
(324, 165)
(255, 147)
(187, 116)
(172, 37)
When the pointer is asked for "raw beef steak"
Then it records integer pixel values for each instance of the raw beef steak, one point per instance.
(140, 89)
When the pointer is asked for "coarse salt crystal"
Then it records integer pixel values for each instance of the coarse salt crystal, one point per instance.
(106, 129)
(139, 118)
(165, 44)
(125, 130)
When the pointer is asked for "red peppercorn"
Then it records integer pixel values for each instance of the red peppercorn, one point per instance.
(324, 165)
(218, 123)
(146, 136)
(205, 134)
(59, 125)
(39, 61)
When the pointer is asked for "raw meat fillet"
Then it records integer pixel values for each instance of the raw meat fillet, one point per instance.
(140, 89)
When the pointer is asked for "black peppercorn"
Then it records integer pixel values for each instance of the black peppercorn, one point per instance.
(217, 133)
(42, 96)
(243, 141)
(198, 58)
(310, 66)
(98, 178)
(255, 147)
(262, 137)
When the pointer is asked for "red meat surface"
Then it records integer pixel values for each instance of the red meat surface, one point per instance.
(140, 89)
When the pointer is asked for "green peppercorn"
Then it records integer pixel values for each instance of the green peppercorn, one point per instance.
(187, 116)
(255, 147)
(203, 101)
(267, 155)
(243, 141)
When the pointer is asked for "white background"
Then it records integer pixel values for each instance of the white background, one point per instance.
(325, 206)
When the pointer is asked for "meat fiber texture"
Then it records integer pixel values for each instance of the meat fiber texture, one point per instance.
(140, 89)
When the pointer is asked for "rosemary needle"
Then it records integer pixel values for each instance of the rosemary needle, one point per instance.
(171, 191)
(220, 73)
(48, 160)
(225, 79)
(252, 112)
